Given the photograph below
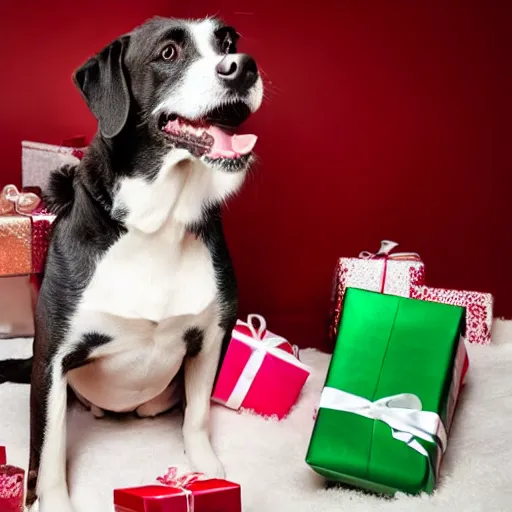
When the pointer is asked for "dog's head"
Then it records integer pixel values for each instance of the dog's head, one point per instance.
(181, 84)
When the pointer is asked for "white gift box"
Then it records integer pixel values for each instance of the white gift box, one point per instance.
(38, 160)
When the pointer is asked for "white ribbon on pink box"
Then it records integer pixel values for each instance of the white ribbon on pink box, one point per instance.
(263, 344)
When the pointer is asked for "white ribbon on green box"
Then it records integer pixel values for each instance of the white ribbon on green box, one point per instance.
(403, 413)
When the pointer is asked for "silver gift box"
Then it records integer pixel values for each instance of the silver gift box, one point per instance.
(38, 160)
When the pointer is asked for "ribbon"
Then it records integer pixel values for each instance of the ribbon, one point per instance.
(171, 479)
(403, 413)
(262, 342)
(385, 253)
(14, 201)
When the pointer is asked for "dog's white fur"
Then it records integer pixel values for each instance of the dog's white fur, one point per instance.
(201, 91)
(156, 280)
(183, 186)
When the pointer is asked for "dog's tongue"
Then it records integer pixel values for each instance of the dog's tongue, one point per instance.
(230, 146)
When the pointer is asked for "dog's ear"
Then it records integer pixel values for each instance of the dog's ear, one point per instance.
(103, 84)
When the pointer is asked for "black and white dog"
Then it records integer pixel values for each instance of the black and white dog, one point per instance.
(139, 293)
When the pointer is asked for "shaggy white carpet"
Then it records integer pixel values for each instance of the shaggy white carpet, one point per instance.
(267, 457)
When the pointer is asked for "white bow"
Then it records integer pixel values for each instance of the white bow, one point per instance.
(261, 346)
(386, 248)
(403, 413)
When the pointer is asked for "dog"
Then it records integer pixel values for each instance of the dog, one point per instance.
(139, 294)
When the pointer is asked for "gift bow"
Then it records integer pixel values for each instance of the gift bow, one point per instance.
(403, 413)
(266, 343)
(14, 201)
(385, 251)
(171, 479)
(386, 247)
(260, 333)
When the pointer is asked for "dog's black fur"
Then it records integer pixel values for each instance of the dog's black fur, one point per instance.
(121, 93)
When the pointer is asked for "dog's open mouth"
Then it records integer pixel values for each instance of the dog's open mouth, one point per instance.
(213, 136)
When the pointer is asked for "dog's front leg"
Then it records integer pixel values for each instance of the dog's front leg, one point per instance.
(46, 487)
(200, 373)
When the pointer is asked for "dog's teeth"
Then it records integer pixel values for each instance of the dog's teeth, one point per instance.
(188, 129)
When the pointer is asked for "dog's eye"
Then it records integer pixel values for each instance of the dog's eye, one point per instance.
(228, 46)
(170, 52)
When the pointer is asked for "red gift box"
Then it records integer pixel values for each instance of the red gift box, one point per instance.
(260, 372)
(12, 486)
(184, 494)
(383, 272)
(479, 307)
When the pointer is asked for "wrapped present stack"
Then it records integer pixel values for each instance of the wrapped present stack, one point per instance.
(187, 493)
(25, 226)
(390, 393)
(24, 230)
(11, 485)
(260, 372)
(383, 271)
(403, 274)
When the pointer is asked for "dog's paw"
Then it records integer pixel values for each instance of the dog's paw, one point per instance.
(212, 469)
(53, 501)
(34, 507)
(201, 455)
(210, 466)
(207, 462)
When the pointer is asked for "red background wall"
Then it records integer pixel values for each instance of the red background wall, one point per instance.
(383, 119)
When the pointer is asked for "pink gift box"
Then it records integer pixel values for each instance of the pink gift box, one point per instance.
(260, 372)
(384, 272)
(478, 306)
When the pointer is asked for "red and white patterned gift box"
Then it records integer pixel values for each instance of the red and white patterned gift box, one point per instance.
(479, 309)
(12, 486)
(383, 271)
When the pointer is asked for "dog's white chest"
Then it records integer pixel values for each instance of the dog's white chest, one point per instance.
(153, 276)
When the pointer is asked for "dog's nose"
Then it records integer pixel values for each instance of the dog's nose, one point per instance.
(238, 71)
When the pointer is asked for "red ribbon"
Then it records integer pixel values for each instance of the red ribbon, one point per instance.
(171, 478)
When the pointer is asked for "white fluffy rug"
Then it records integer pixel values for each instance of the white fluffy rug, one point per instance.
(267, 457)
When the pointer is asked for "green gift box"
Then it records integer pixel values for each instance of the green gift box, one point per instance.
(390, 393)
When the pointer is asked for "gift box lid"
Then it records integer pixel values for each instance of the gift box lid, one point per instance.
(161, 498)
(149, 498)
(386, 346)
